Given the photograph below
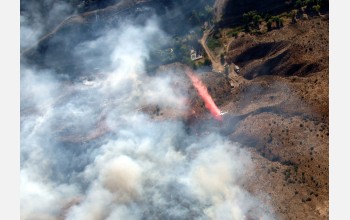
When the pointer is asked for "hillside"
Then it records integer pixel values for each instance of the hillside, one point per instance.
(276, 106)
(278, 109)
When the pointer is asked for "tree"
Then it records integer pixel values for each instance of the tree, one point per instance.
(293, 15)
(256, 20)
(299, 3)
(267, 17)
(316, 8)
(207, 62)
(246, 18)
(269, 25)
(251, 18)
(278, 21)
(194, 19)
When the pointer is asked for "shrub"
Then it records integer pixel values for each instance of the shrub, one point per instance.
(256, 20)
(252, 18)
(269, 25)
(278, 21)
(316, 8)
(207, 61)
(213, 43)
(293, 15)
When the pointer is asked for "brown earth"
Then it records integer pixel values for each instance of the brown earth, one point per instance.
(215, 63)
(279, 115)
(277, 109)
(280, 105)
(296, 50)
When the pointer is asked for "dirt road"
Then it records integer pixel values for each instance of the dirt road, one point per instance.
(216, 64)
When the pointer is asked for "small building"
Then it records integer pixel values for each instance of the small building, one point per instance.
(237, 69)
(194, 55)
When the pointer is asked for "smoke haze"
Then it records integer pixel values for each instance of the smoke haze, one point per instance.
(89, 152)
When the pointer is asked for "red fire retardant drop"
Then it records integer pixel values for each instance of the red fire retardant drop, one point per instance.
(203, 93)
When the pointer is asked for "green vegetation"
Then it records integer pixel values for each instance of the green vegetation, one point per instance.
(199, 17)
(213, 43)
(201, 63)
(269, 25)
(178, 50)
(235, 31)
(293, 15)
(278, 21)
(316, 8)
(252, 20)
(256, 20)
(256, 32)
(207, 61)
(312, 6)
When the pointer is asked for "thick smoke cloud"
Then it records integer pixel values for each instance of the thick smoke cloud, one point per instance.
(89, 152)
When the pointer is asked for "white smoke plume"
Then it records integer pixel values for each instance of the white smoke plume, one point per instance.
(89, 153)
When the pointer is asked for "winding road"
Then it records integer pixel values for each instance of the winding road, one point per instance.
(216, 64)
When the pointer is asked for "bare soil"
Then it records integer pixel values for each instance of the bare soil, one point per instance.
(279, 102)
(280, 115)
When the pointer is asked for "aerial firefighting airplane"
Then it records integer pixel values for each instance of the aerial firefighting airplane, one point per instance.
(222, 113)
